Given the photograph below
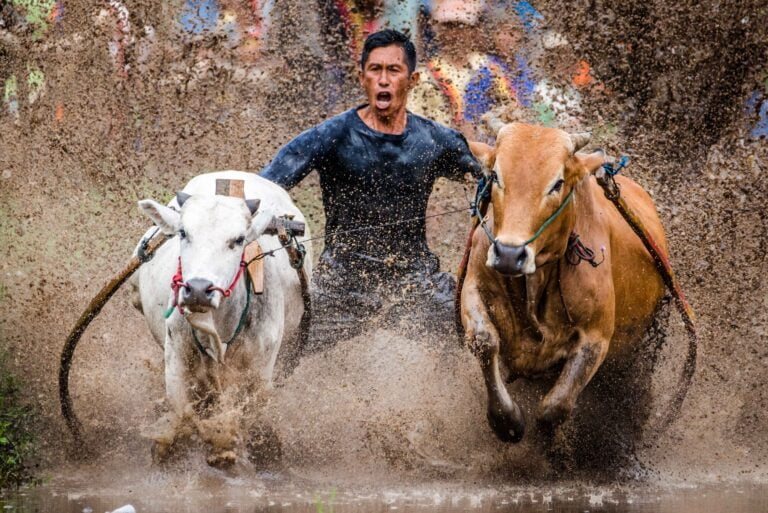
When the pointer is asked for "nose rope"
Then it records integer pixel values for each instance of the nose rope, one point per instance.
(177, 283)
(484, 192)
(228, 291)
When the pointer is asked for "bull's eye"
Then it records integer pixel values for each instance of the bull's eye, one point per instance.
(558, 185)
(182, 234)
(240, 240)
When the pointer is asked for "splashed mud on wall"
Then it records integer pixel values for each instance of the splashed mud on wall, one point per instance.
(83, 136)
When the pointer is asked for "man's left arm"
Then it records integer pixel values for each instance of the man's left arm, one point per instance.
(459, 159)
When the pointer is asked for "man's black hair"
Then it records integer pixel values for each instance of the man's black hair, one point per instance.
(386, 38)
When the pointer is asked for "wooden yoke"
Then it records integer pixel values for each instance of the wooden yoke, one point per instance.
(284, 226)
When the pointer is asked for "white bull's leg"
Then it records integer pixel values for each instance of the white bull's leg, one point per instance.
(582, 364)
(504, 415)
(176, 393)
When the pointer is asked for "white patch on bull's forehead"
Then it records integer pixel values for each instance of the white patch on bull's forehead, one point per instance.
(217, 217)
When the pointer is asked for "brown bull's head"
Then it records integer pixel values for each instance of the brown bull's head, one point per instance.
(537, 169)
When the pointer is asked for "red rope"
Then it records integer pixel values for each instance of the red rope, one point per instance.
(177, 282)
(228, 292)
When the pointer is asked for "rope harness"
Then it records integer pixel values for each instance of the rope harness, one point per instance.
(297, 253)
(178, 283)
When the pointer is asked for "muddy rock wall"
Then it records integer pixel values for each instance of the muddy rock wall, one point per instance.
(106, 103)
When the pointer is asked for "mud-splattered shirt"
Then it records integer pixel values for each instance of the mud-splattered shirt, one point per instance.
(373, 179)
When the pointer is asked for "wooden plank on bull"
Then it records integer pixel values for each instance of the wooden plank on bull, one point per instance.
(233, 188)
(255, 268)
(237, 188)
(222, 187)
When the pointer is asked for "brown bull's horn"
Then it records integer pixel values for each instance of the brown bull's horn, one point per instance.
(580, 140)
(493, 123)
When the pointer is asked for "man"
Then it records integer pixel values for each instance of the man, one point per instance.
(377, 164)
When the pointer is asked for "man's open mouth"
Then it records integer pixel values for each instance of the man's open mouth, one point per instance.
(383, 100)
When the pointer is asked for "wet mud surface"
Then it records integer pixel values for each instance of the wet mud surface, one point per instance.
(671, 87)
(437, 497)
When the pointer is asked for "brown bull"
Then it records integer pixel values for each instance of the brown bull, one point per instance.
(524, 304)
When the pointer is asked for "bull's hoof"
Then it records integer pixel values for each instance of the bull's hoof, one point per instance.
(507, 423)
(222, 459)
(553, 413)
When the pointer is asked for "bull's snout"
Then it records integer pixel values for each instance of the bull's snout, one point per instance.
(198, 295)
(512, 260)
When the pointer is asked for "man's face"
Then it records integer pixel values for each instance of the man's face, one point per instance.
(386, 80)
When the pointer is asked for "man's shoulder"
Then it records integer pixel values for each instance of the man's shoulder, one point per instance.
(438, 131)
(335, 124)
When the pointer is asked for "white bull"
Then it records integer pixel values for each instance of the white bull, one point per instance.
(209, 236)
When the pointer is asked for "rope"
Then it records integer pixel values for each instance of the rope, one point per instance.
(240, 325)
(300, 244)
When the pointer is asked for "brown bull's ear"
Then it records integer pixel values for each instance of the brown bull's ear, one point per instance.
(588, 163)
(484, 154)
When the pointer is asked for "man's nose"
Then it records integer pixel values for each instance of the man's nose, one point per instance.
(384, 79)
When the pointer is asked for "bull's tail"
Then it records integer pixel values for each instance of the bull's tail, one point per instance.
(94, 307)
(686, 376)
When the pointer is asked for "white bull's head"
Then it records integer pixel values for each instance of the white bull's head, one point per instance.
(213, 232)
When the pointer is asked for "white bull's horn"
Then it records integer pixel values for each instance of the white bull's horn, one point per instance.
(493, 123)
(580, 140)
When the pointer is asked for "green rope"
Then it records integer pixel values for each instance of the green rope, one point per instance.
(551, 218)
(243, 316)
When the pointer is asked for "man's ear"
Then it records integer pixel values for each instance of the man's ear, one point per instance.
(415, 79)
(164, 217)
(259, 222)
(484, 154)
(588, 163)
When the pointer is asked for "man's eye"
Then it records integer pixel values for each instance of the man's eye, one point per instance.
(558, 185)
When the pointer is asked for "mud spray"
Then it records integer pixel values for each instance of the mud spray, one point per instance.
(110, 103)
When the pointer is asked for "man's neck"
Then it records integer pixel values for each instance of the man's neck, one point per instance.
(394, 124)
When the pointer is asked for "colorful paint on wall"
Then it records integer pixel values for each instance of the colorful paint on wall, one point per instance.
(502, 78)
(757, 107)
(40, 14)
(245, 24)
(35, 84)
(11, 96)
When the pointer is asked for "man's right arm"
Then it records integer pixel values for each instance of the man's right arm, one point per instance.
(297, 159)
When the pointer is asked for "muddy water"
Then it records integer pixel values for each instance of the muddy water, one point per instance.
(215, 494)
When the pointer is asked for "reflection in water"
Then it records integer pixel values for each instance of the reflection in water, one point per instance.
(269, 494)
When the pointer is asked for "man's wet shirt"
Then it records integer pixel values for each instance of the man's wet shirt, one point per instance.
(375, 186)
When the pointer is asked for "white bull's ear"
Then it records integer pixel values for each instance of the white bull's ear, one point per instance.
(259, 223)
(164, 217)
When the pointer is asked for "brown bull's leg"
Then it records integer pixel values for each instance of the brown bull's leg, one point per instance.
(504, 415)
(581, 365)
